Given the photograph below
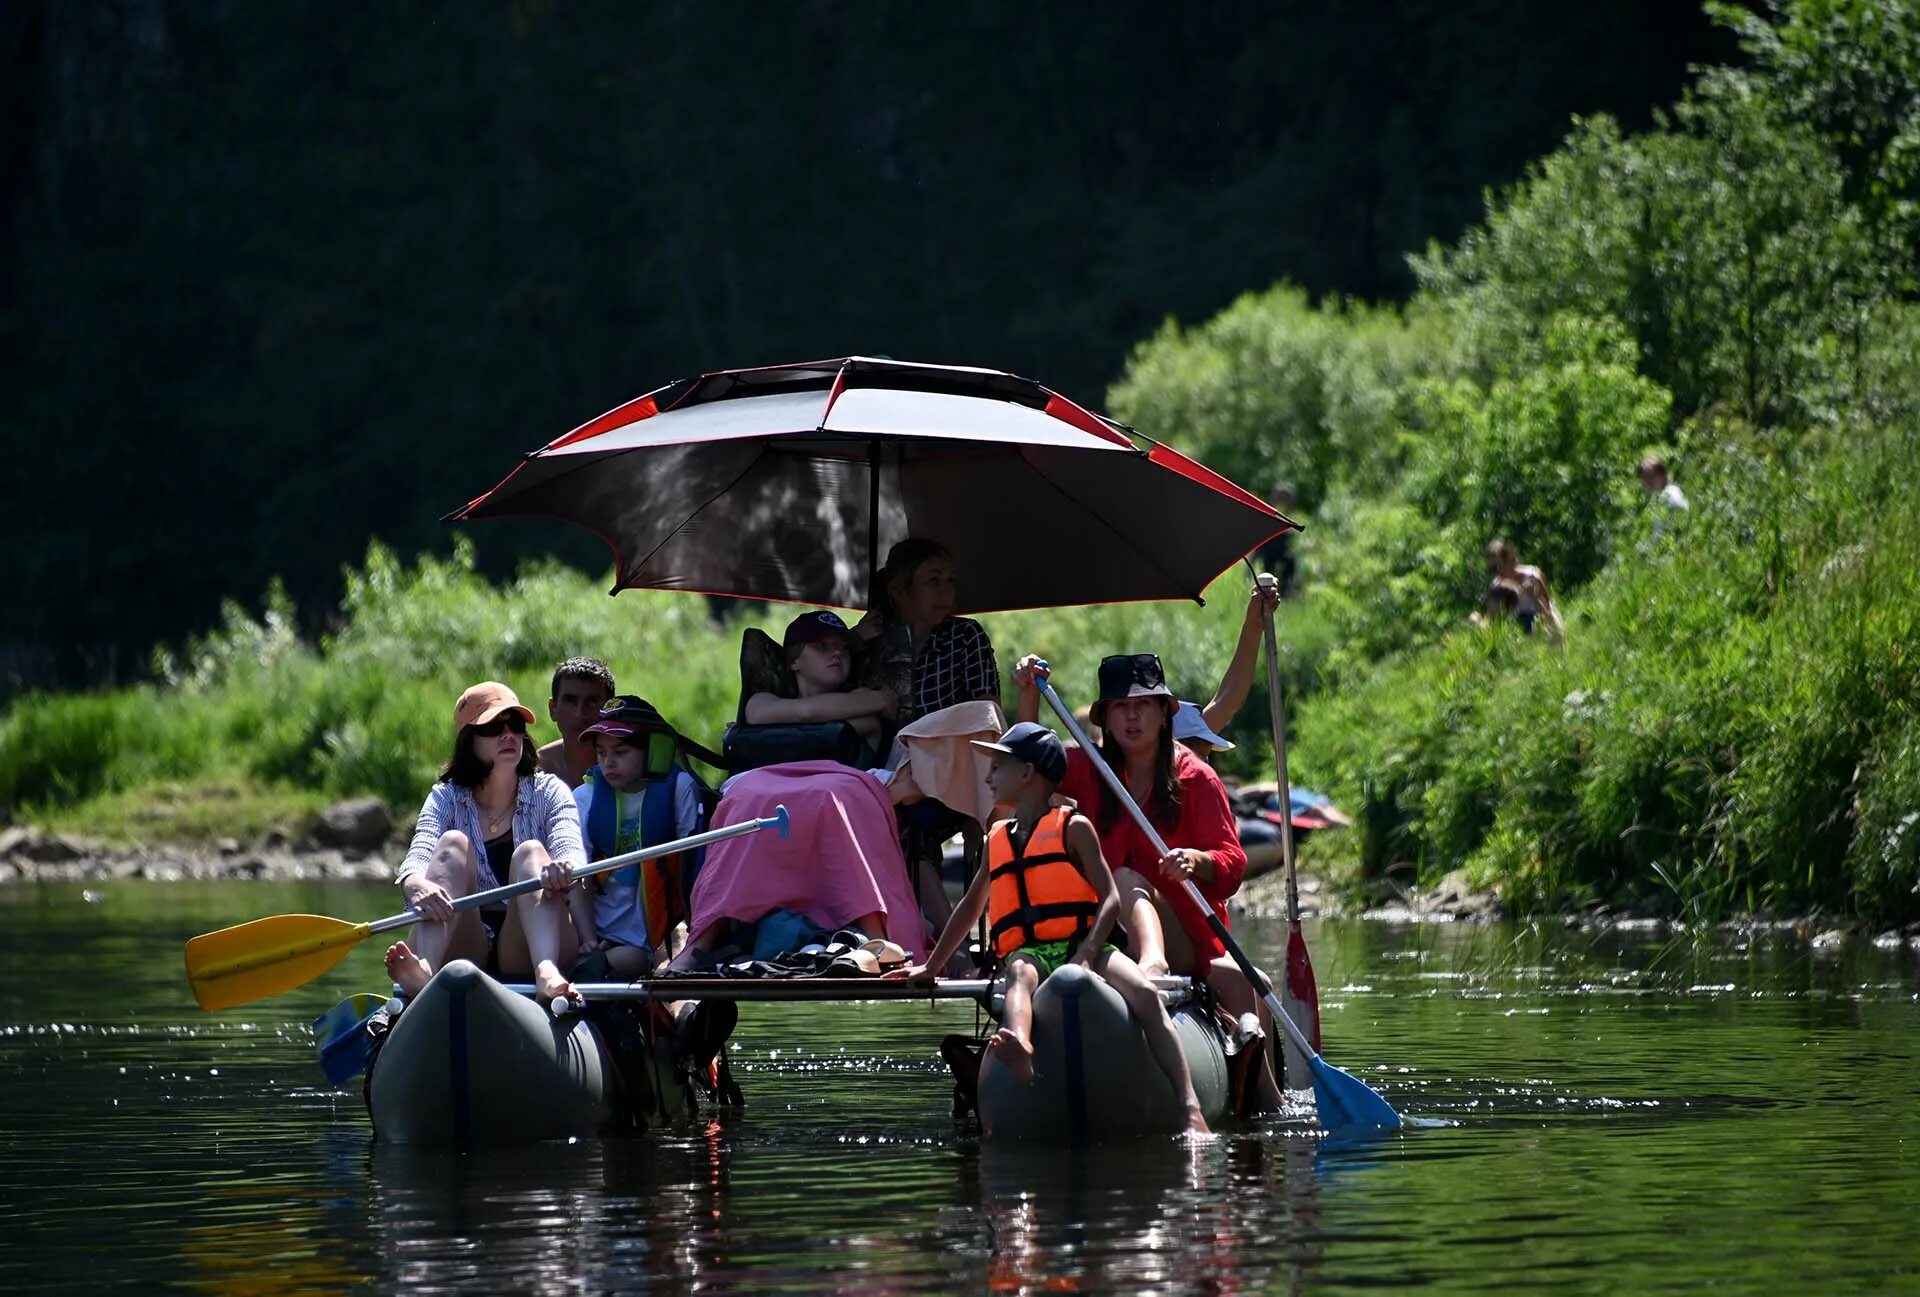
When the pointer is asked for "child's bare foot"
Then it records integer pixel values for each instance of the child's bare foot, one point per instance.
(549, 985)
(408, 970)
(1013, 1052)
(1156, 968)
(1197, 1128)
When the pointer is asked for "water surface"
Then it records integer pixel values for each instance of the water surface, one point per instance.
(1615, 1112)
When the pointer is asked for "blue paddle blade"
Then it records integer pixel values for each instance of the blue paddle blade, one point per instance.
(1346, 1101)
(337, 1036)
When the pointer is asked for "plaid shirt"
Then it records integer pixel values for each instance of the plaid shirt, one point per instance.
(955, 665)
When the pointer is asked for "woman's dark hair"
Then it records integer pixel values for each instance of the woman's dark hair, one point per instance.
(467, 770)
(903, 560)
(1163, 806)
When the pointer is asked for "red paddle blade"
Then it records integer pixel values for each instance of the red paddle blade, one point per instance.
(1300, 984)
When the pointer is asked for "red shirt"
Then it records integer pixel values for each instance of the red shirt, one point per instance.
(1205, 823)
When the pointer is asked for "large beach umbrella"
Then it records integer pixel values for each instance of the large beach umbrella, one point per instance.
(790, 482)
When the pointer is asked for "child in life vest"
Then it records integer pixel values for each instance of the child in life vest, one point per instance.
(1050, 901)
(629, 916)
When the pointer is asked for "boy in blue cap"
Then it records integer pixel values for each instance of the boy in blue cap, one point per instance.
(1050, 901)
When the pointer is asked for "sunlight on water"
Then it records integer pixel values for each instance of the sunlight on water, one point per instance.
(1587, 1112)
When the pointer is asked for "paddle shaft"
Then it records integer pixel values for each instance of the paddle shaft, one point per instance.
(1255, 977)
(336, 937)
(789, 989)
(1278, 712)
(777, 820)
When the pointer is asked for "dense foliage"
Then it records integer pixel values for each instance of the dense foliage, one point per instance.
(279, 279)
(1734, 721)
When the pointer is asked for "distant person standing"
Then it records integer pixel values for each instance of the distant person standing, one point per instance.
(1532, 599)
(1276, 555)
(1669, 500)
(581, 687)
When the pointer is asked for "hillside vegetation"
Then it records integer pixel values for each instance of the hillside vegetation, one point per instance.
(1731, 723)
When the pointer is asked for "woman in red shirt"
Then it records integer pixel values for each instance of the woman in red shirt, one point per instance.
(1187, 804)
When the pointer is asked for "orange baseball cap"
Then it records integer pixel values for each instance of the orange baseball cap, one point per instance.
(483, 702)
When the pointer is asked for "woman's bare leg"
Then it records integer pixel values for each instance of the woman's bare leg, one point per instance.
(434, 944)
(1143, 1001)
(931, 890)
(1145, 931)
(539, 933)
(1237, 996)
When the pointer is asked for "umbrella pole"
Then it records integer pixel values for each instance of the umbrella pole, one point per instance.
(873, 523)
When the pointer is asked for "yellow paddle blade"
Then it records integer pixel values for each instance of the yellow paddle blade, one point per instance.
(254, 960)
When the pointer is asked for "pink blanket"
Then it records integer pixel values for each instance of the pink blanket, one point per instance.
(841, 860)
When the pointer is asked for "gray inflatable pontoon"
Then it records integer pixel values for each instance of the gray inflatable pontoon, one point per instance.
(1093, 1077)
(470, 1062)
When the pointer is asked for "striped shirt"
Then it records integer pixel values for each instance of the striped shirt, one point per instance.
(543, 812)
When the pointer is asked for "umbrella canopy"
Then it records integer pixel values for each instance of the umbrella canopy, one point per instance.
(790, 482)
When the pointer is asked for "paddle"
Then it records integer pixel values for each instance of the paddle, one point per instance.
(1343, 1100)
(267, 956)
(1300, 986)
(787, 990)
(337, 1037)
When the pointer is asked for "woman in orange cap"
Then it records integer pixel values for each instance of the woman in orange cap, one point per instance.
(491, 819)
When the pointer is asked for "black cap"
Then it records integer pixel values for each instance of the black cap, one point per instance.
(811, 626)
(1130, 675)
(625, 715)
(1035, 744)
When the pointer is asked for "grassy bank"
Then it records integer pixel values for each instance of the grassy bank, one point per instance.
(367, 709)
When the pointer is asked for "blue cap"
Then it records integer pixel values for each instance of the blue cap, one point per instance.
(1035, 744)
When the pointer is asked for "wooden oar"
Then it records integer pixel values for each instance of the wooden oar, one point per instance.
(1343, 1100)
(1300, 991)
(251, 961)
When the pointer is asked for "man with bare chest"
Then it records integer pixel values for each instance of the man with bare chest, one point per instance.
(581, 686)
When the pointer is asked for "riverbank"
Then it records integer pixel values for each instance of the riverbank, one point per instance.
(31, 856)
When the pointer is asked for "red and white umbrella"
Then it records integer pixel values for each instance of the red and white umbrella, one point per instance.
(790, 482)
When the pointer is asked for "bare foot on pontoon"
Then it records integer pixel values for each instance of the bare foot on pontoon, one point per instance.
(1015, 1054)
(549, 985)
(408, 970)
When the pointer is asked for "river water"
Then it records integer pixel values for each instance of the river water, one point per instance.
(1611, 1112)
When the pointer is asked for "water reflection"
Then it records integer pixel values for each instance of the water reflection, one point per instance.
(1625, 1113)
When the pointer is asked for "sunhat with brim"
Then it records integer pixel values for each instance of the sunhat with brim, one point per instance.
(858, 962)
(1130, 675)
(486, 701)
(1189, 722)
(889, 954)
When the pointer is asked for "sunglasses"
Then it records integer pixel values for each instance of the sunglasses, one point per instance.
(494, 728)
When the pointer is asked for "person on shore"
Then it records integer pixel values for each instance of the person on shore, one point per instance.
(581, 687)
(629, 917)
(1669, 500)
(819, 652)
(1188, 806)
(491, 818)
(1533, 600)
(1050, 901)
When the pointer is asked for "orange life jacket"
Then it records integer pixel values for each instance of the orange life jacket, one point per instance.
(1036, 895)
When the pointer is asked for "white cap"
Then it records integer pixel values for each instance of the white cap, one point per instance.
(1188, 723)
